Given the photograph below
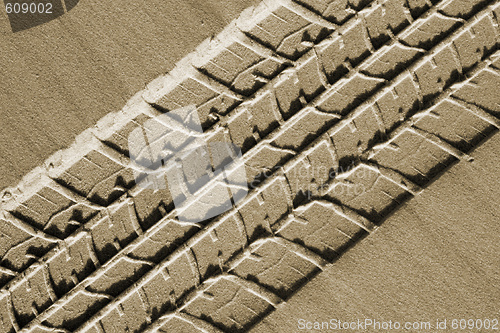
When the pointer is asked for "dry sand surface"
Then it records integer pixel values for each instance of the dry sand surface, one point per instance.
(362, 183)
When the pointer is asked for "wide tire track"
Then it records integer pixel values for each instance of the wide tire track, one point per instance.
(340, 97)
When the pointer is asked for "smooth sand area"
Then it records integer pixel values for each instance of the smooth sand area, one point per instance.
(436, 257)
(59, 78)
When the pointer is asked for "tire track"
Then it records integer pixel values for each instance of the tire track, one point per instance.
(75, 196)
(422, 61)
(320, 108)
(197, 297)
(70, 194)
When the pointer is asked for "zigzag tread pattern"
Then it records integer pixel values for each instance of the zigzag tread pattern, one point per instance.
(343, 111)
